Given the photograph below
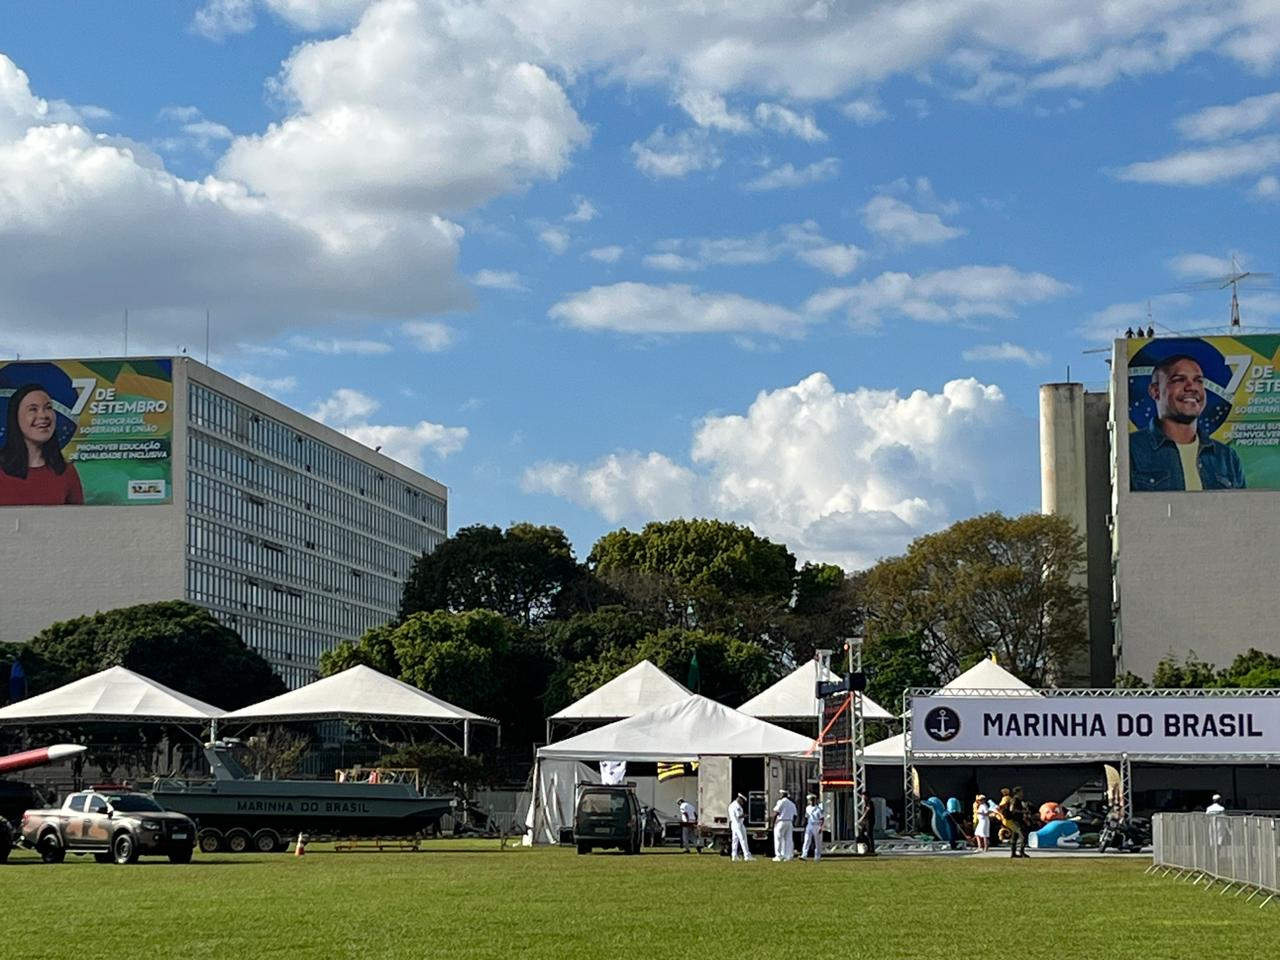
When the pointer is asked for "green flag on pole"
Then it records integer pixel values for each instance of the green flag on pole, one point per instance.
(694, 682)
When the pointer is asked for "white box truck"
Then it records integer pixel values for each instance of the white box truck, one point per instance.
(759, 779)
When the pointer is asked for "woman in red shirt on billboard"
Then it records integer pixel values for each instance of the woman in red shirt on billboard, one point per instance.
(32, 470)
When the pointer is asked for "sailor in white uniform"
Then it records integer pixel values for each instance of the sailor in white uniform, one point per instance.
(784, 822)
(738, 827)
(814, 817)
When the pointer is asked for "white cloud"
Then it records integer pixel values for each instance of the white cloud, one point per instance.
(336, 346)
(788, 176)
(452, 115)
(583, 211)
(1110, 323)
(430, 336)
(901, 224)
(838, 477)
(1267, 188)
(610, 254)
(1007, 351)
(671, 262)
(646, 309)
(1199, 266)
(621, 485)
(501, 279)
(318, 14)
(773, 116)
(1222, 122)
(865, 111)
(837, 259)
(674, 155)
(958, 294)
(221, 18)
(554, 239)
(272, 386)
(708, 109)
(348, 411)
(803, 241)
(1207, 165)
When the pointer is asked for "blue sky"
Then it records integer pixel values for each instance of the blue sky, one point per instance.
(800, 265)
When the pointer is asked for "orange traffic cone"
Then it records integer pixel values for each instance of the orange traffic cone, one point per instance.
(301, 847)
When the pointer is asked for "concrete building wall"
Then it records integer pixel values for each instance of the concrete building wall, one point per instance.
(1194, 571)
(1097, 458)
(62, 562)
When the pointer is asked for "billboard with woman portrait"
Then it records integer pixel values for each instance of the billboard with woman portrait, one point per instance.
(91, 432)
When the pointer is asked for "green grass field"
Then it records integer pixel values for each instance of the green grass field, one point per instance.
(471, 899)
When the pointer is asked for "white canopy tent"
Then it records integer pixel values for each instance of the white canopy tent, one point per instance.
(682, 731)
(360, 693)
(641, 688)
(984, 676)
(793, 698)
(114, 695)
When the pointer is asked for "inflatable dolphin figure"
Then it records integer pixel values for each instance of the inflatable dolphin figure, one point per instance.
(941, 824)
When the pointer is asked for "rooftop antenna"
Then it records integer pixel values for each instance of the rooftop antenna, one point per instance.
(1233, 280)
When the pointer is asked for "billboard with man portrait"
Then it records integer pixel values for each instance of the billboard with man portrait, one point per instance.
(93, 432)
(1204, 413)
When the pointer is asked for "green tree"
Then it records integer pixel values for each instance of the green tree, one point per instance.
(992, 583)
(699, 574)
(375, 649)
(1189, 674)
(1254, 668)
(893, 664)
(527, 573)
(174, 643)
(826, 610)
(587, 638)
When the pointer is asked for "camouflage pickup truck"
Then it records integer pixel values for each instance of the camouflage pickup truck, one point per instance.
(111, 824)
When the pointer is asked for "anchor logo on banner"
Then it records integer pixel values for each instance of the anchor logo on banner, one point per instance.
(942, 723)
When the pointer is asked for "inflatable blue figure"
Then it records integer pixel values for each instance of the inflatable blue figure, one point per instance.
(1059, 833)
(941, 824)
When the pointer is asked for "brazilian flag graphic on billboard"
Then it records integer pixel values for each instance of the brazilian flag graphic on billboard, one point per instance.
(92, 432)
(1204, 413)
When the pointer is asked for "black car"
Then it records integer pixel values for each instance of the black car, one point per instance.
(608, 816)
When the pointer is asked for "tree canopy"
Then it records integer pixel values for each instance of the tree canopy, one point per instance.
(174, 643)
(1012, 586)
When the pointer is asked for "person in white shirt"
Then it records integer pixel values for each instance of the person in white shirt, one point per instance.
(1218, 812)
(982, 822)
(784, 822)
(814, 817)
(688, 826)
(738, 827)
(1216, 806)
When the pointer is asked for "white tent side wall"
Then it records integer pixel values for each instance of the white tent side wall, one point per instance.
(551, 806)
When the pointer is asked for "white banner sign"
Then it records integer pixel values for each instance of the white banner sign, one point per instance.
(1095, 725)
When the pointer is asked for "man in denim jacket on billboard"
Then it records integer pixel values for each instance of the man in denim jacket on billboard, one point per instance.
(1170, 454)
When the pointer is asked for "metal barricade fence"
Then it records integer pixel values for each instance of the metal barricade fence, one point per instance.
(1241, 852)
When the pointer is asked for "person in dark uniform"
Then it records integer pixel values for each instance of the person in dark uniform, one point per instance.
(1015, 818)
(867, 825)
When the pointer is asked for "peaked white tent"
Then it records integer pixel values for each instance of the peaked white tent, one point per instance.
(793, 697)
(115, 695)
(359, 693)
(985, 675)
(642, 688)
(680, 731)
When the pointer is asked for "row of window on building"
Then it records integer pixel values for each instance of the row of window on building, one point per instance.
(307, 455)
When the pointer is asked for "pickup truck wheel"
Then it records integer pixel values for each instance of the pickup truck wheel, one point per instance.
(6, 841)
(210, 841)
(181, 856)
(104, 857)
(584, 848)
(51, 849)
(124, 848)
(238, 841)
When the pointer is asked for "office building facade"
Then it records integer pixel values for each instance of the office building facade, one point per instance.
(291, 533)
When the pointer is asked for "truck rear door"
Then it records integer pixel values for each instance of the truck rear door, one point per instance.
(715, 790)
